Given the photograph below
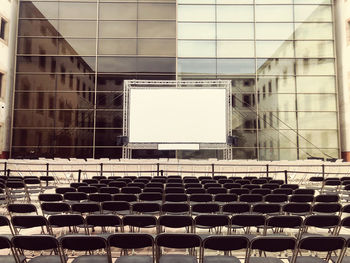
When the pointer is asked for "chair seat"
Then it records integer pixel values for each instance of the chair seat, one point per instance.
(177, 259)
(45, 259)
(134, 259)
(10, 259)
(309, 259)
(344, 260)
(91, 259)
(221, 259)
(265, 260)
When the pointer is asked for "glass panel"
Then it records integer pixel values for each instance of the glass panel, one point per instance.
(241, 13)
(234, 2)
(278, 138)
(118, 11)
(313, 31)
(316, 102)
(312, 2)
(315, 84)
(317, 120)
(45, 27)
(323, 153)
(152, 29)
(313, 13)
(203, 13)
(74, 118)
(273, 2)
(33, 137)
(308, 66)
(235, 49)
(196, 30)
(30, 118)
(117, 46)
(270, 13)
(246, 138)
(276, 84)
(157, 47)
(74, 137)
(30, 45)
(274, 31)
(45, 64)
(278, 120)
(321, 139)
(314, 49)
(277, 102)
(71, 28)
(107, 137)
(113, 153)
(153, 154)
(235, 30)
(80, 153)
(117, 29)
(77, 10)
(117, 64)
(109, 100)
(112, 82)
(197, 66)
(236, 66)
(156, 65)
(196, 48)
(38, 10)
(196, 2)
(274, 49)
(156, 11)
(109, 119)
(276, 66)
(244, 153)
(77, 46)
(243, 85)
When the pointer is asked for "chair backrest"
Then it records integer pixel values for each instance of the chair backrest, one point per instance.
(322, 243)
(175, 221)
(130, 240)
(284, 221)
(56, 207)
(226, 198)
(327, 208)
(63, 190)
(146, 207)
(212, 220)
(226, 243)
(236, 208)
(125, 197)
(251, 198)
(100, 197)
(201, 198)
(206, 208)
(322, 221)
(328, 198)
(301, 198)
(151, 197)
(297, 208)
(115, 206)
(175, 208)
(85, 207)
(35, 242)
(264, 208)
(87, 189)
(139, 221)
(273, 243)
(248, 220)
(175, 198)
(109, 190)
(29, 222)
(178, 240)
(83, 242)
(50, 197)
(276, 198)
(103, 220)
(65, 220)
(75, 196)
(22, 208)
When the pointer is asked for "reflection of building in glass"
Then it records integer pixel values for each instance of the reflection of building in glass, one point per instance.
(73, 57)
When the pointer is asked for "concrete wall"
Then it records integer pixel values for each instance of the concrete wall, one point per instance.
(342, 15)
(8, 11)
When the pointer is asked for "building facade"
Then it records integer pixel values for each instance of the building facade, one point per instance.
(72, 59)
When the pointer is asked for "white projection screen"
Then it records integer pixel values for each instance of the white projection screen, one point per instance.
(177, 115)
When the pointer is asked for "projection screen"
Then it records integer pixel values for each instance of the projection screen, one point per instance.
(177, 115)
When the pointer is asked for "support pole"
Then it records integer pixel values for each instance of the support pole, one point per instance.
(101, 169)
(323, 171)
(157, 169)
(212, 170)
(47, 172)
(267, 170)
(285, 176)
(79, 175)
(5, 168)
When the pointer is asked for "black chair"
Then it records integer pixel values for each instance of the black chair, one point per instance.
(38, 243)
(9, 257)
(226, 244)
(5, 225)
(109, 190)
(175, 208)
(327, 244)
(85, 208)
(290, 186)
(266, 209)
(261, 191)
(125, 197)
(50, 198)
(29, 222)
(137, 222)
(214, 223)
(75, 197)
(251, 186)
(200, 198)
(236, 208)
(216, 190)
(90, 181)
(177, 241)
(225, 198)
(174, 190)
(176, 222)
(270, 186)
(239, 191)
(276, 198)
(100, 197)
(87, 244)
(108, 224)
(63, 190)
(329, 223)
(22, 209)
(280, 222)
(117, 184)
(301, 209)
(259, 181)
(153, 190)
(131, 190)
(251, 198)
(152, 197)
(271, 244)
(175, 198)
(52, 208)
(116, 207)
(193, 185)
(327, 198)
(205, 208)
(132, 241)
(283, 191)
(246, 222)
(72, 222)
(301, 198)
(326, 208)
(231, 185)
(304, 191)
(146, 208)
(87, 189)
(76, 185)
(191, 191)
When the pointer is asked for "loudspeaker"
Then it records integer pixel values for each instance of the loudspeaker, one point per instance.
(232, 140)
(122, 140)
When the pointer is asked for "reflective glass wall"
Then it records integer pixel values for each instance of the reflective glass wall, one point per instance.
(73, 56)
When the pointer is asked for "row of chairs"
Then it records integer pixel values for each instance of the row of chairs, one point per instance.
(100, 250)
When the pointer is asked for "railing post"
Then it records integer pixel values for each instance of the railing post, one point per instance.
(161, 173)
(212, 170)
(323, 171)
(101, 169)
(157, 169)
(5, 168)
(79, 175)
(267, 170)
(285, 176)
(47, 172)
(8, 172)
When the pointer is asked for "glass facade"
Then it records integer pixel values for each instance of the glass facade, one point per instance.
(73, 56)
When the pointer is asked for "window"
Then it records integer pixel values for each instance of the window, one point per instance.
(1, 80)
(3, 27)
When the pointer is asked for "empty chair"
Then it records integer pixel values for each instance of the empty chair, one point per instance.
(174, 185)
(74, 197)
(116, 207)
(76, 185)
(139, 185)
(211, 185)
(219, 177)
(251, 186)
(246, 222)
(46, 182)
(289, 186)
(283, 191)
(326, 208)
(63, 190)
(92, 244)
(270, 186)
(6, 227)
(38, 243)
(100, 197)
(314, 224)
(297, 208)
(251, 198)
(276, 198)
(266, 209)
(175, 198)
(85, 208)
(17, 190)
(90, 181)
(125, 197)
(279, 182)
(159, 179)
(154, 185)
(73, 222)
(225, 181)
(205, 208)
(99, 177)
(50, 197)
(9, 257)
(226, 244)
(190, 181)
(146, 208)
(29, 222)
(175, 222)
(151, 197)
(281, 222)
(52, 208)
(153, 190)
(137, 222)
(132, 241)
(328, 198)
(231, 185)
(190, 191)
(177, 241)
(271, 244)
(117, 184)
(236, 208)
(225, 198)
(259, 181)
(214, 223)
(201, 198)
(175, 208)
(242, 181)
(108, 224)
(304, 191)
(21, 209)
(301, 198)
(327, 245)
(33, 185)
